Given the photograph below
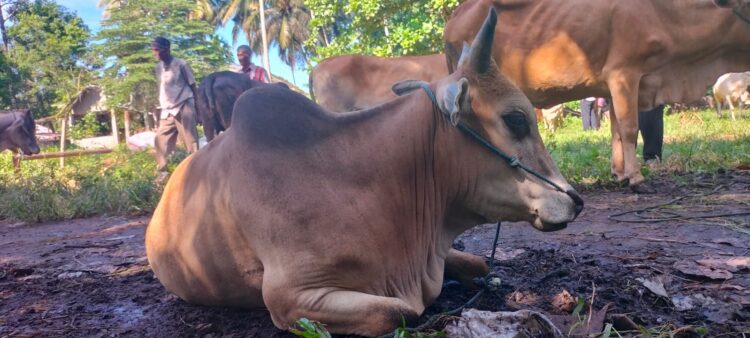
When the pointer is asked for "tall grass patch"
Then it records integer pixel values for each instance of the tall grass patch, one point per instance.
(118, 183)
(694, 141)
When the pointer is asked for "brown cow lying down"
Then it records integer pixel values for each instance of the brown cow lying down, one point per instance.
(18, 132)
(643, 52)
(217, 93)
(353, 82)
(348, 218)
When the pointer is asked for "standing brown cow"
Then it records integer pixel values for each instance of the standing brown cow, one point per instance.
(353, 82)
(641, 52)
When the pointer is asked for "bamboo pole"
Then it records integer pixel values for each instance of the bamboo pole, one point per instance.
(62, 154)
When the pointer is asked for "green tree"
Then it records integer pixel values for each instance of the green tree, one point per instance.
(48, 55)
(6, 81)
(124, 47)
(375, 27)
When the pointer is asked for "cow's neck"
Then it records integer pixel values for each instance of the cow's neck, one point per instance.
(6, 120)
(440, 180)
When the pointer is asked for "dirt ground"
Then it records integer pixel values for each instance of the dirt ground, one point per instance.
(90, 277)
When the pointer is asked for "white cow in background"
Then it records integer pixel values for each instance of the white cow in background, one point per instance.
(732, 89)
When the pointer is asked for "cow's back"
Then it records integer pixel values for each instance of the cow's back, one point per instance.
(353, 82)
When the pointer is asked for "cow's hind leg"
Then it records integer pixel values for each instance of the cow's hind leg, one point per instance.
(342, 311)
(464, 267)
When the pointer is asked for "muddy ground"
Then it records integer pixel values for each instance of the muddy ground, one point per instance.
(90, 277)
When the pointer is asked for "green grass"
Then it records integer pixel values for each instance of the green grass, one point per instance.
(693, 142)
(119, 183)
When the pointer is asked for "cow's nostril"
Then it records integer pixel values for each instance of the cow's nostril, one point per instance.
(577, 200)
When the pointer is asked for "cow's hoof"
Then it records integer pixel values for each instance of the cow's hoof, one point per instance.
(643, 188)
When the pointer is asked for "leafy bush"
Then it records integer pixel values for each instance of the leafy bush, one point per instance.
(119, 183)
(88, 126)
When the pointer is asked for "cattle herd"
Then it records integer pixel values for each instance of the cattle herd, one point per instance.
(281, 209)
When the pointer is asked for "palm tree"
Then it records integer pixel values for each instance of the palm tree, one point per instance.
(244, 14)
(287, 25)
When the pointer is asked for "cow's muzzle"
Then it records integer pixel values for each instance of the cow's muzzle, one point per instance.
(571, 209)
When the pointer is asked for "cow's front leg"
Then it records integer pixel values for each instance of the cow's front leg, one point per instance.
(618, 163)
(624, 89)
(342, 311)
(464, 267)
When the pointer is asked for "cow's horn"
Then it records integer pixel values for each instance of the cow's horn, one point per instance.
(481, 49)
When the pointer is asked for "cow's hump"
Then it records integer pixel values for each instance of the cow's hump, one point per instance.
(276, 117)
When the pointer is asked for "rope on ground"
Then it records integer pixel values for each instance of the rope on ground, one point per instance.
(430, 322)
(671, 215)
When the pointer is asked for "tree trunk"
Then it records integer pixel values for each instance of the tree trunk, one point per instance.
(126, 116)
(115, 134)
(294, 79)
(63, 136)
(266, 63)
(3, 34)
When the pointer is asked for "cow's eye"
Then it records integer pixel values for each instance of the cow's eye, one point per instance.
(517, 123)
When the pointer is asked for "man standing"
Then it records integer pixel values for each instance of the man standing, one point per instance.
(651, 126)
(588, 114)
(177, 103)
(257, 73)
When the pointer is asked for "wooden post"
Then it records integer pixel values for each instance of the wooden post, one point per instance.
(63, 134)
(127, 125)
(114, 126)
(16, 164)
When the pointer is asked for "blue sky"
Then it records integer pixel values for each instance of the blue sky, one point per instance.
(91, 15)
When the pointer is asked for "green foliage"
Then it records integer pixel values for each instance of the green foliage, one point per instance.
(125, 48)
(48, 54)
(694, 142)
(88, 126)
(117, 183)
(6, 81)
(310, 329)
(374, 27)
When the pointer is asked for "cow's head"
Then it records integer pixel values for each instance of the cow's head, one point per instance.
(478, 96)
(21, 134)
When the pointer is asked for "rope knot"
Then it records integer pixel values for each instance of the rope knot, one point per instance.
(513, 162)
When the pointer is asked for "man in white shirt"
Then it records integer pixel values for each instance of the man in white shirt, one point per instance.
(177, 103)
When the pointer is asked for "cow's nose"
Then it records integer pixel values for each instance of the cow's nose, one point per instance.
(577, 200)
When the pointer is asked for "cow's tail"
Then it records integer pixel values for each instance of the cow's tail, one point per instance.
(310, 83)
(209, 95)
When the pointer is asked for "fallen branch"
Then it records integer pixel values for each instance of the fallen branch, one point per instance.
(86, 246)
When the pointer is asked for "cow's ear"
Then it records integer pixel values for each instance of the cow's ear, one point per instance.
(18, 123)
(453, 99)
(406, 86)
(724, 3)
(465, 54)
